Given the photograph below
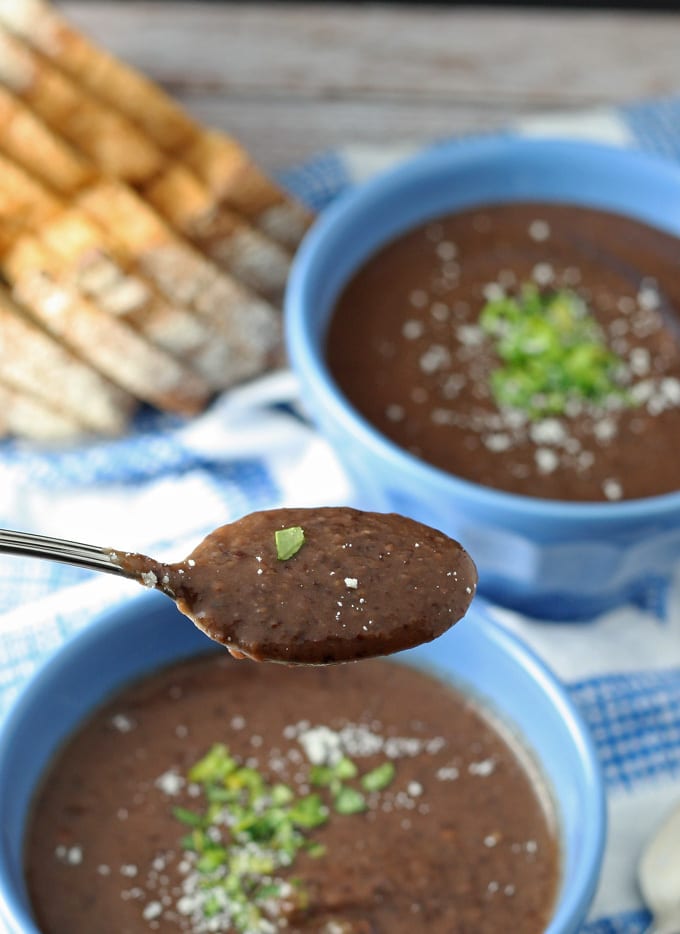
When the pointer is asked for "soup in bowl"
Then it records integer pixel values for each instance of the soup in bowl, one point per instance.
(489, 335)
(150, 782)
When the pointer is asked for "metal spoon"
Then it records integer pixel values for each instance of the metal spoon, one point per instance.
(355, 585)
(659, 876)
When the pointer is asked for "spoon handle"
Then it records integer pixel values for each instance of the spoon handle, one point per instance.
(57, 549)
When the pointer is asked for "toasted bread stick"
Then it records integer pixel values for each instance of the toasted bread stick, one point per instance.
(24, 202)
(227, 170)
(104, 341)
(117, 147)
(104, 135)
(252, 327)
(31, 418)
(87, 242)
(221, 163)
(33, 363)
(221, 234)
(106, 277)
(28, 142)
(89, 265)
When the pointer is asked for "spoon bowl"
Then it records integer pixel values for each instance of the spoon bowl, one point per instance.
(301, 586)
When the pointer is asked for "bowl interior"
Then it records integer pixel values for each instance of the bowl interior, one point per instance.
(446, 179)
(148, 633)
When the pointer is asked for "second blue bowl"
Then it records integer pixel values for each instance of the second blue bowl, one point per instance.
(547, 558)
(477, 655)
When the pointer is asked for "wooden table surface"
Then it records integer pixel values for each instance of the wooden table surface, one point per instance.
(290, 79)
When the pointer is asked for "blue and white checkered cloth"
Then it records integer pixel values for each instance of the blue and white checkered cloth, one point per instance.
(167, 484)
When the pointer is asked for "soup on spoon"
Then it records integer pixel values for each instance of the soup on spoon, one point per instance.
(316, 586)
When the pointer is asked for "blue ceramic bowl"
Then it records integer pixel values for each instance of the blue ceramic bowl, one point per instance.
(547, 558)
(477, 655)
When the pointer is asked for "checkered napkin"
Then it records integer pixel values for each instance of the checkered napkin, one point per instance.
(163, 487)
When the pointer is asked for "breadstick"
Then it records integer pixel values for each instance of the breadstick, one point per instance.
(31, 418)
(28, 142)
(117, 147)
(106, 342)
(252, 327)
(197, 339)
(35, 364)
(221, 163)
(90, 265)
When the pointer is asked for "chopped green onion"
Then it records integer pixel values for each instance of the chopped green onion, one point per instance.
(250, 832)
(282, 794)
(212, 859)
(267, 891)
(379, 778)
(324, 776)
(187, 817)
(309, 812)
(345, 769)
(316, 850)
(553, 351)
(212, 907)
(214, 766)
(288, 542)
(349, 801)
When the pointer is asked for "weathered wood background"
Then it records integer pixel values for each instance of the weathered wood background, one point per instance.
(289, 80)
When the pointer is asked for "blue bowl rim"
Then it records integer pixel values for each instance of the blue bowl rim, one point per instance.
(306, 359)
(571, 905)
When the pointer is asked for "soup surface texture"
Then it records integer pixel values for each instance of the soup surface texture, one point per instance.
(414, 350)
(351, 585)
(227, 796)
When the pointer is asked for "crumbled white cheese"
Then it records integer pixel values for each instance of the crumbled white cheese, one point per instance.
(498, 441)
(440, 311)
(447, 773)
(648, 297)
(170, 782)
(548, 431)
(493, 292)
(322, 745)
(122, 723)
(152, 910)
(546, 460)
(543, 273)
(605, 429)
(470, 334)
(446, 250)
(670, 389)
(640, 361)
(412, 329)
(436, 357)
(351, 582)
(539, 230)
(74, 856)
(484, 768)
(612, 489)
(395, 412)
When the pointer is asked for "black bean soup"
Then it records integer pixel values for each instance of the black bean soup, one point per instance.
(530, 347)
(317, 586)
(228, 796)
